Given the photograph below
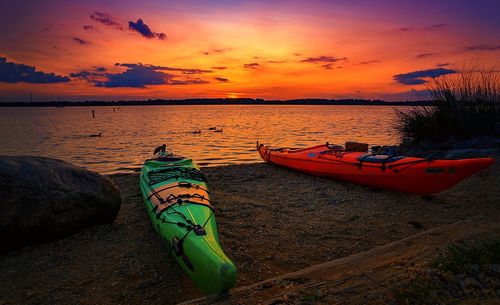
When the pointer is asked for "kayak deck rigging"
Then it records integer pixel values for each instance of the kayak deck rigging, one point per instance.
(176, 172)
(178, 203)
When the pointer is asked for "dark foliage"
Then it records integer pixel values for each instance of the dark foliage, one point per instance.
(466, 105)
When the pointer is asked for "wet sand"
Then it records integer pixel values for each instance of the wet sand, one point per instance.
(271, 221)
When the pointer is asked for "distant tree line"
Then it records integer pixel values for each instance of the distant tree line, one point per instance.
(218, 101)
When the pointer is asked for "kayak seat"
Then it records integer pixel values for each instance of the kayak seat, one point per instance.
(379, 158)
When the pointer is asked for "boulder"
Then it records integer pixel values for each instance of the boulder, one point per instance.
(43, 199)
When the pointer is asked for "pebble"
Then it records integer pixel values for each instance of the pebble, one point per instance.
(415, 224)
(267, 285)
(448, 276)
(470, 282)
(474, 268)
(319, 293)
(495, 268)
(277, 301)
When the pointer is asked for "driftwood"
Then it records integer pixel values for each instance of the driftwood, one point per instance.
(358, 278)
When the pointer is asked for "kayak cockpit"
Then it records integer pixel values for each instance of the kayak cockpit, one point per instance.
(376, 158)
(171, 158)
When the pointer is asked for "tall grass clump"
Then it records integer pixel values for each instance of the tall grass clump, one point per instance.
(466, 105)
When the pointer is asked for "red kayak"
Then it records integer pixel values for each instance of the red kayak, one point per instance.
(395, 173)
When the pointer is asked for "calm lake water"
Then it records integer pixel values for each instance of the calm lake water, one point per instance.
(130, 134)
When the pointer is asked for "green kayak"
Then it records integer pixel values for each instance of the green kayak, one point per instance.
(176, 196)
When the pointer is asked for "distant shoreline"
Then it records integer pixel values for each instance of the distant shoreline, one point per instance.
(217, 101)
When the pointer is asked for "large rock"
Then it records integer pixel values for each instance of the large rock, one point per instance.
(44, 199)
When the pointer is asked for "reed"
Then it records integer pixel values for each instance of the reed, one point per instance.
(466, 105)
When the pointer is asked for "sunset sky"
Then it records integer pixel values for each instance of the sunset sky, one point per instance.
(122, 50)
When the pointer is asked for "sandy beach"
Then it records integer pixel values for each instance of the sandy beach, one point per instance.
(271, 221)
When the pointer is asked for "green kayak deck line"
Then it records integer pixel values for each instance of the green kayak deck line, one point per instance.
(177, 200)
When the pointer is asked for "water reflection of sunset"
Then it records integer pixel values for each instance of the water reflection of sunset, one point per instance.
(272, 50)
(127, 133)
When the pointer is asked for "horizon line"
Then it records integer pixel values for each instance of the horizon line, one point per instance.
(215, 101)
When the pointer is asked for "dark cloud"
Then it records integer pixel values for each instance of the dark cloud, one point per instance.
(87, 75)
(219, 68)
(136, 76)
(443, 64)
(321, 59)
(327, 66)
(252, 65)
(82, 74)
(52, 26)
(12, 73)
(89, 27)
(188, 71)
(145, 30)
(435, 26)
(106, 19)
(483, 47)
(81, 41)
(369, 62)
(222, 79)
(139, 76)
(196, 81)
(424, 55)
(417, 77)
(276, 61)
(183, 70)
(431, 27)
(217, 51)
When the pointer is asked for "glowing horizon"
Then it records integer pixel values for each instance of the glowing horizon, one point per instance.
(280, 50)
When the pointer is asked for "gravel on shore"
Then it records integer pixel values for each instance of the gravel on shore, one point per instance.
(271, 221)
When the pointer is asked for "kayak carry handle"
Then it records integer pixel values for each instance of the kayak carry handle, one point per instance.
(258, 145)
